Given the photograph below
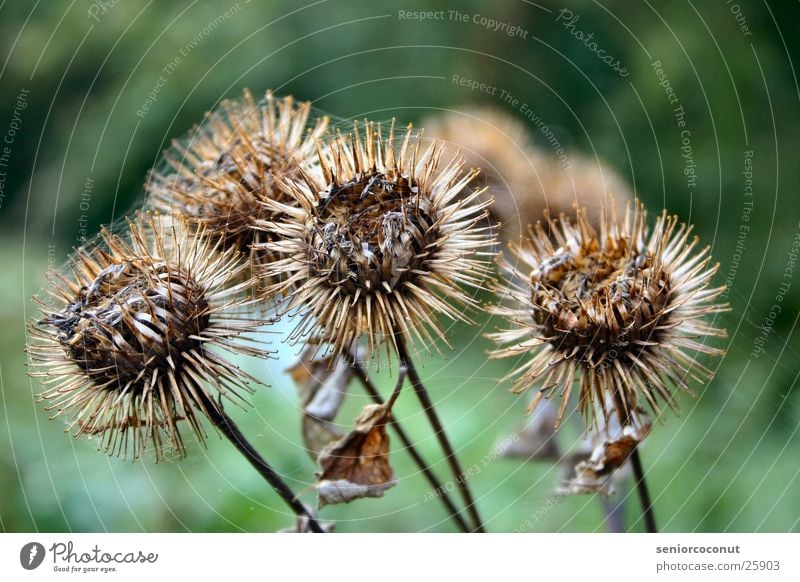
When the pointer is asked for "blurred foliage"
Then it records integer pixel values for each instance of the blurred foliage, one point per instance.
(730, 462)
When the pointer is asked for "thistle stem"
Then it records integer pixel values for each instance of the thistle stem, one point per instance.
(229, 428)
(423, 466)
(644, 494)
(398, 387)
(648, 515)
(444, 442)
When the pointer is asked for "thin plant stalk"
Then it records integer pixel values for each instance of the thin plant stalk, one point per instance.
(444, 442)
(398, 387)
(228, 427)
(423, 466)
(648, 515)
(644, 494)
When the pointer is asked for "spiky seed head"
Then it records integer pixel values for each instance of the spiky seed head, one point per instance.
(217, 177)
(128, 342)
(382, 242)
(620, 312)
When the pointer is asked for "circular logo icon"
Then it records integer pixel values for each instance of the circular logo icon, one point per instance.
(31, 555)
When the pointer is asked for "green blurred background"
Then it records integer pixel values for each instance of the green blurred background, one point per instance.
(730, 462)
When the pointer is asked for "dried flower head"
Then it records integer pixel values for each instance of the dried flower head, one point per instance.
(525, 179)
(622, 310)
(380, 242)
(217, 178)
(128, 340)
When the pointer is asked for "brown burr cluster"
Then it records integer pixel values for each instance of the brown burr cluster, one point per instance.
(128, 342)
(381, 242)
(218, 176)
(617, 313)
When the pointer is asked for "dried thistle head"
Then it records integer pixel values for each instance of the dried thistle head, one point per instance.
(620, 312)
(380, 243)
(217, 178)
(128, 341)
(526, 180)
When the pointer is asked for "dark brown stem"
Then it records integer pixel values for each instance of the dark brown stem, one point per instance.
(644, 494)
(398, 387)
(423, 466)
(444, 442)
(226, 425)
(648, 515)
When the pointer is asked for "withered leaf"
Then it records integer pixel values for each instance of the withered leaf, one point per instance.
(322, 384)
(596, 473)
(318, 434)
(536, 441)
(357, 465)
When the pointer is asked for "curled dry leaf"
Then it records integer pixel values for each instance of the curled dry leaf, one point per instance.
(357, 465)
(318, 434)
(595, 465)
(536, 441)
(596, 473)
(322, 385)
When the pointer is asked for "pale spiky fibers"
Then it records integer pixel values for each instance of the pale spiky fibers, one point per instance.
(620, 313)
(382, 242)
(127, 346)
(218, 176)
